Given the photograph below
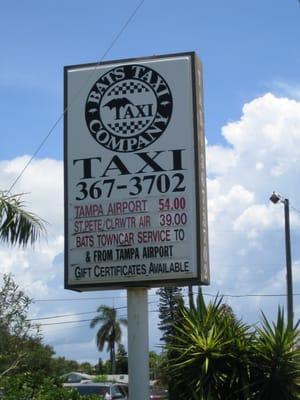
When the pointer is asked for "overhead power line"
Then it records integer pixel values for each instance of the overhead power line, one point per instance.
(60, 324)
(79, 299)
(81, 313)
(149, 303)
(249, 295)
(153, 294)
(66, 322)
(86, 298)
(81, 320)
(68, 315)
(295, 209)
(128, 21)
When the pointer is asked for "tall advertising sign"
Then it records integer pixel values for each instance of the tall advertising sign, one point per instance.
(135, 180)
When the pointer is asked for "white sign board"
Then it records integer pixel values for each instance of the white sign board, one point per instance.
(135, 181)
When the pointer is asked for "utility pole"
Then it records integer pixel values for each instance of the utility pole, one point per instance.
(289, 279)
(191, 296)
(276, 198)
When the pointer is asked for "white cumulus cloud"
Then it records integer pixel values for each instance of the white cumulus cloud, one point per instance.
(261, 154)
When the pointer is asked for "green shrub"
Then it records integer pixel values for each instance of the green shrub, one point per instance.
(100, 378)
(28, 387)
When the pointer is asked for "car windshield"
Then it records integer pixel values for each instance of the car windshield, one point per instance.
(123, 389)
(101, 390)
(116, 391)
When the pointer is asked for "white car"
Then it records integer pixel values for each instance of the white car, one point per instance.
(110, 391)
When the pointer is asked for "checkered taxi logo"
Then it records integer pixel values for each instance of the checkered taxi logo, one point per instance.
(128, 108)
(128, 87)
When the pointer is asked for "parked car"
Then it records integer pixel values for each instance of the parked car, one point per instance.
(105, 390)
(157, 393)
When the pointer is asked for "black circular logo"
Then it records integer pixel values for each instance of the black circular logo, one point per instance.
(128, 108)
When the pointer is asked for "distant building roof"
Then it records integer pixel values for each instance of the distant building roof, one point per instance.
(74, 377)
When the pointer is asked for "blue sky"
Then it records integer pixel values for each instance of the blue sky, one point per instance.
(250, 54)
(245, 47)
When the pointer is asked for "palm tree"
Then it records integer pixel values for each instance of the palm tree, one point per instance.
(110, 331)
(17, 226)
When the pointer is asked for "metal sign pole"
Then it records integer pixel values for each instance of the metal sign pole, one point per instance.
(138, 343)
(289, 279)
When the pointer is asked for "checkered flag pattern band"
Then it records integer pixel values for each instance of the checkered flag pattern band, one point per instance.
(128, 126)
(128, 87)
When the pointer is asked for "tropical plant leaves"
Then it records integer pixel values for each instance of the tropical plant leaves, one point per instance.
(212, 355)
(276, 360)
(17, 225)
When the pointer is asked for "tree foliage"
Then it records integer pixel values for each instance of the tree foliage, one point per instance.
(170, 300)
(121, 360)
(27, 387)
(156, 364)
(19, 336)
(110, 331)
(21, 346)
(61, 366)
(17, 225)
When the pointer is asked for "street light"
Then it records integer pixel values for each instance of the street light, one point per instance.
(277, 198)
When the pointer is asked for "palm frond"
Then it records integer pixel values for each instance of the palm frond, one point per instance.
(102, 335)
(96, 320)
(17, 225)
